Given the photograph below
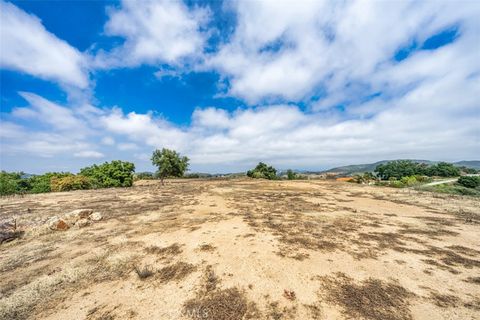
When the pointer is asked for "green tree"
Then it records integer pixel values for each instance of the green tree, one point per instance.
(443, 169)
(169, 163)
(110, 174)
(263, 171)
(400, 168)
(291, 175)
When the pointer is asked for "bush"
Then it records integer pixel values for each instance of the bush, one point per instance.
(110, 174)
(469, 181)
(366, 177)
(263, 171)
(10, 182)
(409, 181)
(42, 183)
(291, 175)
(70, 182)
(452, 189)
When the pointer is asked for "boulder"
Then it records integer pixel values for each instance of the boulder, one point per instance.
(9, 231)
(82, 223)
(79, 214)
(55, 223)
(96, 216)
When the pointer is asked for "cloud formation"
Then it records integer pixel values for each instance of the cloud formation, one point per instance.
(324, 83)
(155, 32)
(26, 46)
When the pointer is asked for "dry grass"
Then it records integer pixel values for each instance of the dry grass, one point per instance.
(371, 299)
(228, 304)
(164, 252)
(176, 271)
(444, 300)
(315, 226)
(206, 247)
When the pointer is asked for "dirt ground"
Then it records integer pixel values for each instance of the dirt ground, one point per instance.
(244, 249)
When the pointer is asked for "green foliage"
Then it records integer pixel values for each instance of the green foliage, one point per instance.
(405, 168)
(169, 163)
(469, 181)
(42, 183)
(409, 181)
(263, 171)
(9, 182)
(468, 170)
(443, 169)
(110, 174)
(399, 169)
(15, 182)
(291, 175)
(452, 189)
(70, 182)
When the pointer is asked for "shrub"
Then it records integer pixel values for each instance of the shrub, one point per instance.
(110, 174)
(71, 182)
(366, 177)
(291, 175)
(42, 183)
(469, 181)
(409, 181)
(263, 171)
(9, 182)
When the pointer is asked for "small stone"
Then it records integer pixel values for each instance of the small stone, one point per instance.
(82, 223)
(96, 216)
(79, 214)
(55, 223)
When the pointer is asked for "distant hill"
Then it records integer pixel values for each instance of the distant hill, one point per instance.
(370, 167)
(475, 164)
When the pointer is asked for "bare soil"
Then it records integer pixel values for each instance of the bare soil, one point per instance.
(244, 249)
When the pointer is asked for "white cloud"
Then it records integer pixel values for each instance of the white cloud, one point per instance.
(127, 146)
(155, 32)
(56, 116)
(144, 128)
(28, 47)
(335, 50)
(89, 154)
(108, 141)
(338, 52)
(421, 124)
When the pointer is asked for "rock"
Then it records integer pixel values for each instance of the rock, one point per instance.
(9, 232)
(82, 223)
(79, 214)
(96, 216)
(55, 223)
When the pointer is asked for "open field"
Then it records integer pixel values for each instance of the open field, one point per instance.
(244, 249)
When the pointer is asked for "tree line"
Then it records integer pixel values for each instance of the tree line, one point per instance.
(170, 163)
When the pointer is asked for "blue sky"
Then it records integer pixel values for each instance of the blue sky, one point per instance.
(305, 85)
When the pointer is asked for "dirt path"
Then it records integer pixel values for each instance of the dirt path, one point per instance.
(245, 249)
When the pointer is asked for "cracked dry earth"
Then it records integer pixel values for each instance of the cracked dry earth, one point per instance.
(244, 249)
